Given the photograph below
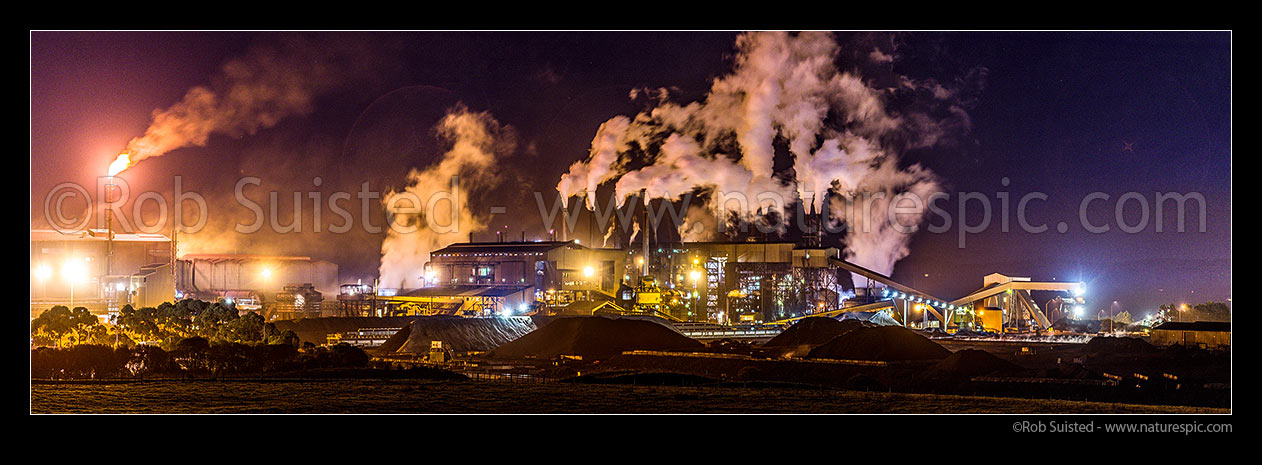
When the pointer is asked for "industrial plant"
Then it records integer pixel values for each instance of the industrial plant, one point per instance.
(717, 211)
(749, 284)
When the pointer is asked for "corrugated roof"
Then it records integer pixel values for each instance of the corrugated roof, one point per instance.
(468, 290)
(503, 247)
(50, 235)
(1195, 326)
(221, 257)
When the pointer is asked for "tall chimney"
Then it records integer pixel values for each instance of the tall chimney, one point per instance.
(644, 232)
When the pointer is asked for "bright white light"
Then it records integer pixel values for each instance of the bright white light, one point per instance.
(74, 271)
(121, 287)
(588, 271)
(1080, 290)
(695, 275)
(1078, 311)
(42, 272)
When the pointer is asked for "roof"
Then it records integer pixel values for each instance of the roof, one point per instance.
(503, 247)
(50, 235)
(1195, 326)
(222, 257)
(588, 307)
(464, 290)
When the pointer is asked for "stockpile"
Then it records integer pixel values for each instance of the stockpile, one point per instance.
(457, 334)
(875, 318)
(1077, 326)
(814, 331)
(593, 337)
(1118, 345)
(316, 330)
(973, 362)
(884, 343)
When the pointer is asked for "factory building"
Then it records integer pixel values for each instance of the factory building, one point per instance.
(98, 270)
(553, 272)
(281, 287)
(1202, 334)
(733, 282)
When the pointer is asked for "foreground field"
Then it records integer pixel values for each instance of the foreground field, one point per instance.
(413, 396)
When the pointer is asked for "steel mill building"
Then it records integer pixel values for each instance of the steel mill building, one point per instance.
(98, 270)
(279, 287)
(694, 281)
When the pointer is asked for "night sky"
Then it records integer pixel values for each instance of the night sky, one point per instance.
(1066, 114)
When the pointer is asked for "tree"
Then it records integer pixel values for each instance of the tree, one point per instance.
(83, 323)
(52, 325)
(148, 359)
(346, 355)
(247, 329)
(1212, 311)
(192, 352)
(210, 318)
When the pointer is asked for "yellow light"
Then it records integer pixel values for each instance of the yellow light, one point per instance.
(266, 273)
(121, 163)
(695, 275)
(42, 272)
(588, 271)
(696, 261)
(74, 271)
(639, 260)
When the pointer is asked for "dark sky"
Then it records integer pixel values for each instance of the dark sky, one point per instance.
(1066, 114)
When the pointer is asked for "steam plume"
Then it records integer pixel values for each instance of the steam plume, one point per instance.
(252, 92)
(477, 140)
(785, 91)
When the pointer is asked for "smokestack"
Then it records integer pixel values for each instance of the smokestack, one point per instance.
(644, 232)
(565, 220)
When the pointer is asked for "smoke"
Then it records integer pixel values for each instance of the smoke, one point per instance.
(433, 211)
(252, 92)
(785, 91)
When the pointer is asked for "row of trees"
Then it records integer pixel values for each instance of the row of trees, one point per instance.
(190, 356)
(165, 325)
(1208, 311)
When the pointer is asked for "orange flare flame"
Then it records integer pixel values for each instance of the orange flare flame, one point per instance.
(121, 163)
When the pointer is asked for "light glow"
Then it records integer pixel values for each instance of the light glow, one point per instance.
(121, 163)
(74, 271)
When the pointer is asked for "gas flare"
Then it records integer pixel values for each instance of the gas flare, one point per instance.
(121, 163)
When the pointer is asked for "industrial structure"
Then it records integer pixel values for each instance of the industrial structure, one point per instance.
(103, 271)
(1198, 334)
(727, 283)
(99, 270)
(767, 283)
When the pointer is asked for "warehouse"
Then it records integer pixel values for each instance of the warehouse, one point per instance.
(553, 271)
(1202, 334)
(256, 281)
(98, 270)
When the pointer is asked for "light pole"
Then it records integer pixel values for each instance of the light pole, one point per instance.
(696, 275)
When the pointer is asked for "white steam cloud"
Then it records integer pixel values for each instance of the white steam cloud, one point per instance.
(429, 214)
(785, 91)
